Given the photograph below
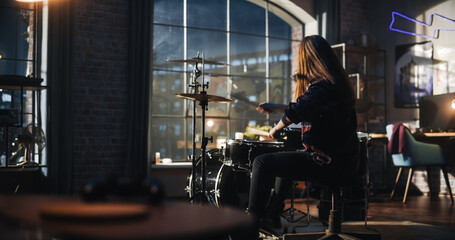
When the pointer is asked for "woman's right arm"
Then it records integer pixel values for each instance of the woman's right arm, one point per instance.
(271, 108)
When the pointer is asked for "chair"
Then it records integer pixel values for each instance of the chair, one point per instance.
(418, 154)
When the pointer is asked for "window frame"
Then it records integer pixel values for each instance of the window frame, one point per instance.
(186, 71)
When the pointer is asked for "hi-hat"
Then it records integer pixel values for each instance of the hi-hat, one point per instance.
(203, 97)
(197, 60)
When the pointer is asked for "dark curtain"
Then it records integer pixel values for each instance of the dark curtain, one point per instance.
(332, 10)
(139, 74)
(59, 81)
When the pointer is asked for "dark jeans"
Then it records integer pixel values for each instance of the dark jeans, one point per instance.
(289, 166)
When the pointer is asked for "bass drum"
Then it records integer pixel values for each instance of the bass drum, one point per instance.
(227, 186)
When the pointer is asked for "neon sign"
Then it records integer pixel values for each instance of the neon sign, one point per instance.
(430, 22)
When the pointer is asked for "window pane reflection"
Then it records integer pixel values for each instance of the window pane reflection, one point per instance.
(207, 14)
(248, 55)
(251, 23)
(280, 92)
(246, 94)
(16, 38)
(168, 12)
(165, 85)
(212, 44)
(167, 44)
(14, 67)
(168, 136)
(280, 58)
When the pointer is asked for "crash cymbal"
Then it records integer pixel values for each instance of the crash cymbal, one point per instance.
(197, 60)
(202, 97)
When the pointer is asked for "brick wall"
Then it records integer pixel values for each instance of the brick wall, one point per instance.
(100, 88)
(354, 19)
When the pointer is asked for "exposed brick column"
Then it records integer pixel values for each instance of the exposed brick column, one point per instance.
(100, 88)
(354, 19)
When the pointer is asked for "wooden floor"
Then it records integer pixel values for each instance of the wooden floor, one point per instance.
(438, 211)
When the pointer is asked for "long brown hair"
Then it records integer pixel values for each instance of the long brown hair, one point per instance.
(317, 60)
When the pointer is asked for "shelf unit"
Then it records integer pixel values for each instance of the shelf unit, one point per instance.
(20, 105)
(366, 70)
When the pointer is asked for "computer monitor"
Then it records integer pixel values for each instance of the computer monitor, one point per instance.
(437, 112)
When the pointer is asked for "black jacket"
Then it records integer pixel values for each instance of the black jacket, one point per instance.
(329, 121)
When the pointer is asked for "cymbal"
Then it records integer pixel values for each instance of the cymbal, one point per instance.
(202, 97)
(197, 60)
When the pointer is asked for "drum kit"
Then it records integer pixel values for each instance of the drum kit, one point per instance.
(224, 174)
(221, 177)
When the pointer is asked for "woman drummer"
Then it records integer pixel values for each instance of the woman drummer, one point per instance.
(324, 106)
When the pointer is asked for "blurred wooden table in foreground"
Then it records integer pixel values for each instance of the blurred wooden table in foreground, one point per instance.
(177, 220)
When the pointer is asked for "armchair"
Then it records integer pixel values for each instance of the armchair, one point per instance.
(417, 154)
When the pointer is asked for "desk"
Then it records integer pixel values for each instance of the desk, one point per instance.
(178, 220)
(433, 134)
(380, 164)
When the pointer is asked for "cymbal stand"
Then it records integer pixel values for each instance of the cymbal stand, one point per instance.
(194, 84)
(204, 106)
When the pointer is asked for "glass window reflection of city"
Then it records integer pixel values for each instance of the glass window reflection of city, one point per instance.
(254, 37)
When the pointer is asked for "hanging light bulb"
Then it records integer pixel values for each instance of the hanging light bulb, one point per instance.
(453, 104)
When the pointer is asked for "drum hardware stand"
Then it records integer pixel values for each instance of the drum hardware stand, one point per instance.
(291, 210)
(204, 106)
(288, 214)
(194, 84)
(204, 99)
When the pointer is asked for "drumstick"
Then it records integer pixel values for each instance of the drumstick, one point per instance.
(244, 99)
(256, 131)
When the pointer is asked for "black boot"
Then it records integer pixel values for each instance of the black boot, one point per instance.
(272, 217)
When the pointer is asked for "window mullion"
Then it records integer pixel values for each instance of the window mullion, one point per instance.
(228, 60)
(185, 77)
(267, 56)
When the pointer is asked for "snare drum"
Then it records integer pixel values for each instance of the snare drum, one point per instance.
(241, 153)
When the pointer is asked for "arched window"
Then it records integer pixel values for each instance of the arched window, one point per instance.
(258, 40)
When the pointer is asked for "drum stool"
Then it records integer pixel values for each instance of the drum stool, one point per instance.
(336, 188)
(334, 225)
